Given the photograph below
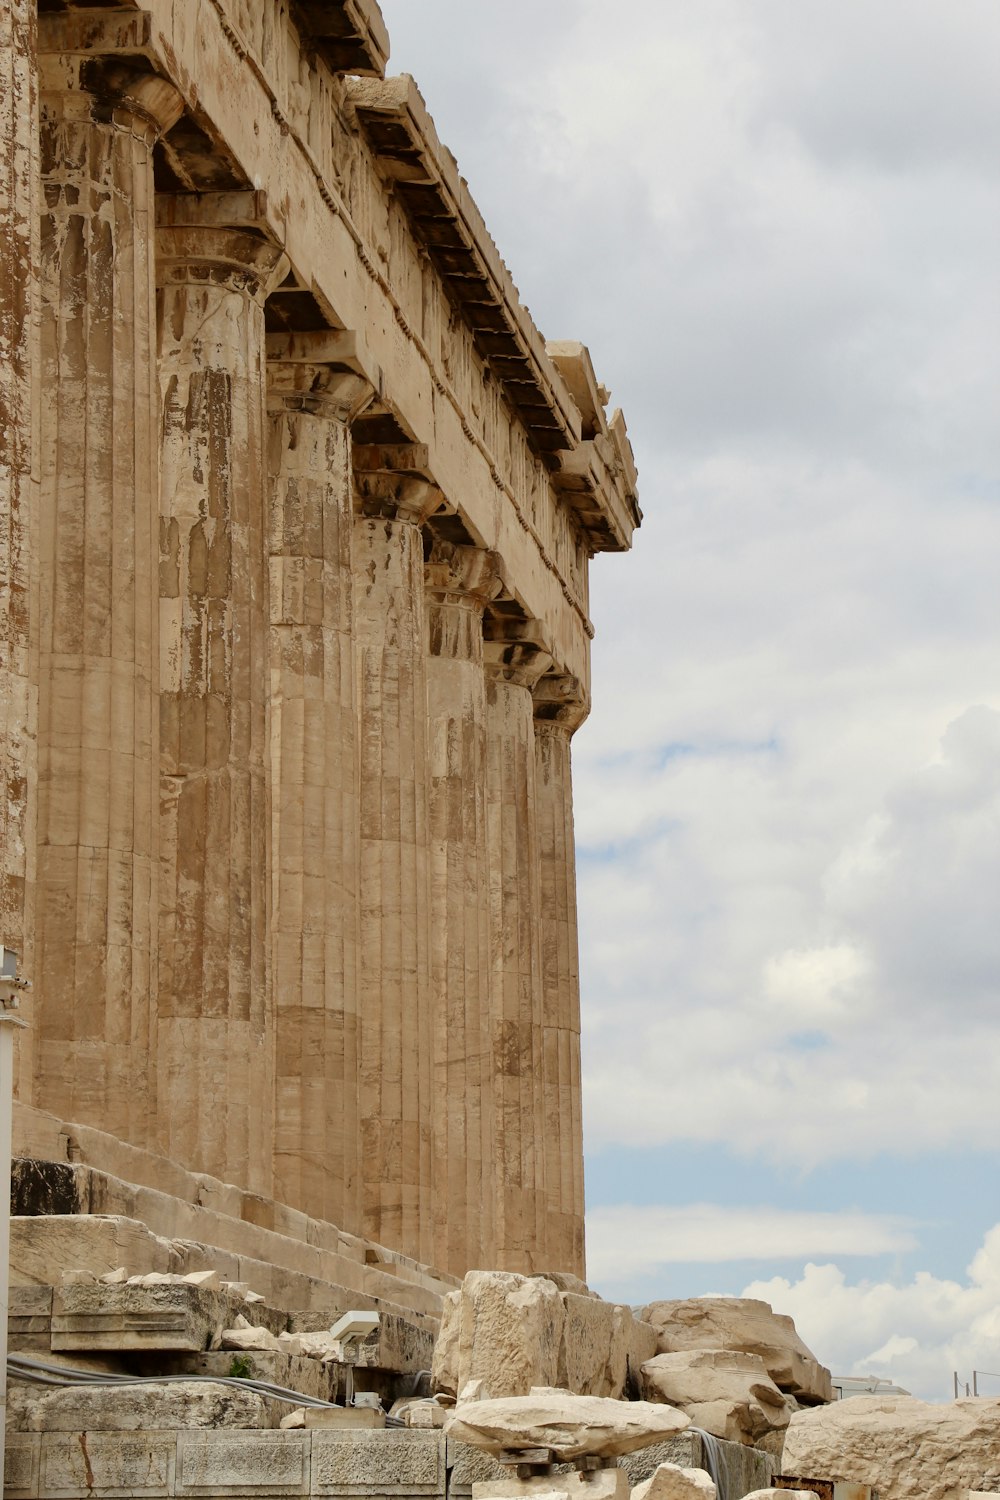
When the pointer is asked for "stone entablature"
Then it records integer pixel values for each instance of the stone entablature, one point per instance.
(310, 512)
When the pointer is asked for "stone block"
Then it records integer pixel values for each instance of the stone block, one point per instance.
(743, 1323)
(904, 1448)
(393, 1462)
(343, 1418)
(724, 1391)
(141, 1408)
(593, 1355)
(601, 1484)
(29, 1319)
(42, 1248)
(228, 1463)
(670, 1482)
(107, 1464)
(309, 1377)
(742, 1469)
(177, 1316)
(569, 1426)
(21, 1465)
(509, 1334)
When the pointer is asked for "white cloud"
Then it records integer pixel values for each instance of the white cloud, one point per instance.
(916, 1334)
(801, 988)
(629, 1241)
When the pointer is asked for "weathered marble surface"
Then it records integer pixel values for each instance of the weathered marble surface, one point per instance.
(568, 1426)
(306, 915)
(747, 1324)
(902, 1447)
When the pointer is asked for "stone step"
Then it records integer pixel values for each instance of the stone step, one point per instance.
(48, 1149)
(336, 1259)
(42, 1249)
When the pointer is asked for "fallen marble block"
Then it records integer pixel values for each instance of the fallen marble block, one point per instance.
(743, 1323)
(604, 1484)
(904, 1448)
(782, 1495)
(565, 1425)
(170, 1316)
(725, 1392)
(135, 1408)
(669, 1482)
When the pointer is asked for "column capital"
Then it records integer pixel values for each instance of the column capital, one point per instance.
(516, 650)
(115, 92)
(462, 575)
(397, 497)
(237, 258)
(561, 703)
(322, 390)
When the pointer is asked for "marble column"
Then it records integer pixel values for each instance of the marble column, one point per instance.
(215, 1033)
(460, 581)
(514, 663)
(95, 969)
(394, 1040)
(560, 708)
(315, 874)
(18, 480)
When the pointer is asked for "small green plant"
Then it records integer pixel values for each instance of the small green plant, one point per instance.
(241, 1367)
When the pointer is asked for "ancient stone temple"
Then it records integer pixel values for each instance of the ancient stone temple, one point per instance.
(297, 510)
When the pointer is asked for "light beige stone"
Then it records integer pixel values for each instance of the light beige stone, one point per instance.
(350, 1417)
(19, 499)
(257, 1340)
(96, 950)
(602, 1484)
(781, 1495)
(904, 1448)
(158, 1317)
(459, 583)
(743, 1323)
(559, 707)
(671, 1482)
(567, 1425)
(509, 1334)
(728, 1393)
(41, 1247)
(142, 1408)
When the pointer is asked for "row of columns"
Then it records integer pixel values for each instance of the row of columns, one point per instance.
(306, 917)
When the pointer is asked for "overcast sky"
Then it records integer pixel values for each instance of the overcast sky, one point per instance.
(776, 224)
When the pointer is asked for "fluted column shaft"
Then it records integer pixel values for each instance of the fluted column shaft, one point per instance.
(512, 671)
(215, 1034)
(98, 730)
(459, 582)
(18, 478)
(395, 1022)
(563, 1134)
(315, 863)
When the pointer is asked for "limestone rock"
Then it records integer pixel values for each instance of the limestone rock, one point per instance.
(670, 1482)
(743, 1323)
(728, 1393)
(295, 1419)
(250, 1339)
(593, 1354)
(907, 1449)
(569, 1425)
(782, 1495)
(138, 1408)
(513, 1332)
(503, 1329)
